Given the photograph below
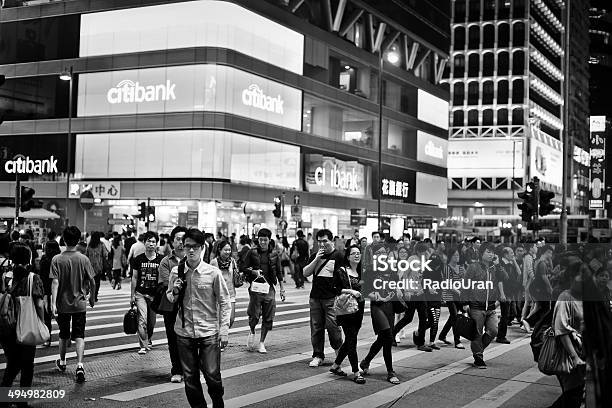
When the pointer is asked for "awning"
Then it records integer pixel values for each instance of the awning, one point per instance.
(34, 213)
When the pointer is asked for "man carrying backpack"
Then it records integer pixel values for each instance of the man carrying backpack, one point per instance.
(202, 324)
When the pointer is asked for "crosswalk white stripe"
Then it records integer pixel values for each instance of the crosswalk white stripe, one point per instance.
(503, 392)
(391, 394)
(123, 347)
(232, 372)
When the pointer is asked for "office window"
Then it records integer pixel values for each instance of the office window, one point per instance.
(474, 37)
(503, 32)
(459, 66)
(459, 38)
(488, 64)
(502, 117)
(518, 91)
(473, 117)
(518, 34)
(473, 95)
(518, 63)
(503, 63)
(488, 92)
(502, 92)
(460, 10)
(487, 117)
(488, 37)
(474, 65)
(458, 117)
(517, 116)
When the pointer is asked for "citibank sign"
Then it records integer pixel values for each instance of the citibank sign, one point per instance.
(29, 166)
(255, 97)
(332, 176)
(338, 179)
(128, 91)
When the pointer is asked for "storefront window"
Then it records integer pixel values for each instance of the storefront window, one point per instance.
(351, 77)
(32, 98)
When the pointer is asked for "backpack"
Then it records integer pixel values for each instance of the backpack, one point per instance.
(8, 317)
(539, 331)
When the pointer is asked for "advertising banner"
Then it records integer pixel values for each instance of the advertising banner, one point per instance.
(546, 163)
(486, 157)
(323, 174)
(359, 216)
(431, 149)
(597, 172)
(431, 190)
(396, 184)
(432, 109)
(203, 23)
(212, 88)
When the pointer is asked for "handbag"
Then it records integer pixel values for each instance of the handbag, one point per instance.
(260, 287)
(465, 327)
(31, 330)
(130, 321)
(237, 277)
(345, 303)
(160, 303)
(554, 358)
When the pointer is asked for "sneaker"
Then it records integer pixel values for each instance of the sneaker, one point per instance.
(434, 346)
(250, 343)
(143, 350)
(526, 327)
(262, 349)
(80, 374)
(503, 341)
(150, 346)
(479, 363)
(365, 368)
(425, 348)
(176, 378)
(459, 346)
(60, 367)
(316, 362)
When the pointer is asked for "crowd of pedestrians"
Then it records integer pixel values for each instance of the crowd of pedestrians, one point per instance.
(190, 277)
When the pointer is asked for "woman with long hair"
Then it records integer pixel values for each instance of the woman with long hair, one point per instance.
(434, 297)
(382, 313)
(119, 261)
(52, 248)
(19, 357)
(454, 271)
(348, 280)
(228, 267)
(98, 256)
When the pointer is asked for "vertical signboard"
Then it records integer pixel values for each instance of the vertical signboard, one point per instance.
(597, 171)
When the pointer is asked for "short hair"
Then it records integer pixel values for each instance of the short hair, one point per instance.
(150, 234)
(543, 249)
(195, 235)
(264, 233)
(141, 238)
(207, 235)
(244, 240)
(420, 247)
(485, 246)
(71, 235)
(21, 256)
(325, 233)
(300, 234)
(177, 230)
(376, 232)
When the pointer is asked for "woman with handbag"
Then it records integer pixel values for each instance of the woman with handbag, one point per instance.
(454, 272)
(568, 325)
(52, 248)
(20, 357)
(229, 269)
(347, 282)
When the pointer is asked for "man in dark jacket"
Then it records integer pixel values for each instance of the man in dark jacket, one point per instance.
(482, 276)
(261, 264)
(301, 246)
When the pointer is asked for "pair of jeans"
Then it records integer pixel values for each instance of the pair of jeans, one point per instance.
(169, 320)
(411, 306)
(298, 274)
(453, 308)
(502, 326)
(384, 341)
(486, 327)
(572, 387)
(322, 316)
(201, 354)
(146, 319)
(19, 358)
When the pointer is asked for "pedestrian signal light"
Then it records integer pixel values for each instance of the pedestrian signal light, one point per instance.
(277, 207)
(142, 211)
(545, 206)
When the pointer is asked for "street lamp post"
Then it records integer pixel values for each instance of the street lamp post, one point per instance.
(68, 76)
(566, 124)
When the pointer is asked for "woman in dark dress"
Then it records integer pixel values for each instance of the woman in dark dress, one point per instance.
(52, 248)
(347, 279)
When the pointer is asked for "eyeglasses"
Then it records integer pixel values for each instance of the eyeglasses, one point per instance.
(190, 247)
(355, 253)
(322, 242)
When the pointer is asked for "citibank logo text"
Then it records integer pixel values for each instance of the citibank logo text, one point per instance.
(434, 151)
(255, 97)
(29, 166)
(338, 179)
(128, 91)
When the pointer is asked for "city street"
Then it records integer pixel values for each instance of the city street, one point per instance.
(118, 377)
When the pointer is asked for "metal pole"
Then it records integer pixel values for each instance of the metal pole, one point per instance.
(69, 143)
(566, 98)
(513, 166)
(147, 213)
(380, 124)
(17, 200)
(283, 230)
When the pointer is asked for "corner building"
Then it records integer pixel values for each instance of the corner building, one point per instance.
(210, 109)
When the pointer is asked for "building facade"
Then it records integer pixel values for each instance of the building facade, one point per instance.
(506, 76)
(208, 110)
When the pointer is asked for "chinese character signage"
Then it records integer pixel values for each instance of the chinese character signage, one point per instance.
(104, 190)
(597, 171)
(397, 184)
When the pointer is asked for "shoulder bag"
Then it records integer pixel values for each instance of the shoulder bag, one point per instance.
(260, 287)
(345, 303)
(465, 327)
(237, 277)
(31, 330)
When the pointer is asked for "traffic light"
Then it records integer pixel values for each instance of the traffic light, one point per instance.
(529, 206)
(277, 207)
(142, 212)
(545, 206)
(151, 212)
(27, 199)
